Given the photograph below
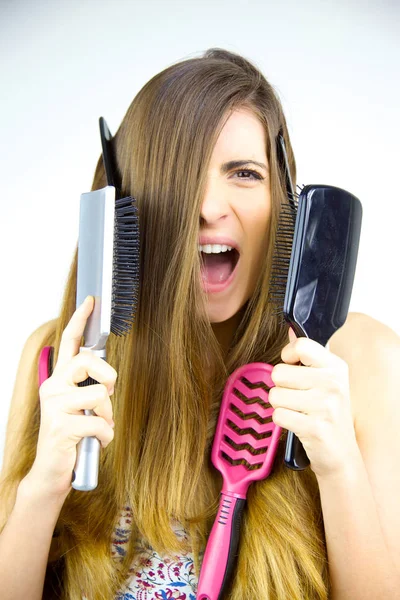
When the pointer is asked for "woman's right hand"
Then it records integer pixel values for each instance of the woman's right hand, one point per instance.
(62, 422)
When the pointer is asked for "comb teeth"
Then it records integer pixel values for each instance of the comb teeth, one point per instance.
(241, 444)
(126, 262)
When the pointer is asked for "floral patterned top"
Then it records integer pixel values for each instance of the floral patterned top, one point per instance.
(154, 577)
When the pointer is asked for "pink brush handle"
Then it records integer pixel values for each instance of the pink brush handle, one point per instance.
(244, 424)
(221, 548)
(43, 370)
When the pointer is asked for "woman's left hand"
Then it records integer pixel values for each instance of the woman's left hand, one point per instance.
(313, 401)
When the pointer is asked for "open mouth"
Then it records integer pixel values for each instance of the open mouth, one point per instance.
(217, 268)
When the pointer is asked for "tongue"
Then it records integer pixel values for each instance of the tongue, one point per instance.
(217, 267)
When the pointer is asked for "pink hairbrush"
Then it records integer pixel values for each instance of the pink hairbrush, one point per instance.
(244, 448)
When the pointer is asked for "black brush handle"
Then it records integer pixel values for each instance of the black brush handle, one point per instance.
(234, 543)
(108, 155)
(295, 456)
(222, 549)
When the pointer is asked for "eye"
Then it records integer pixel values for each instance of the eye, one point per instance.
(253, 174)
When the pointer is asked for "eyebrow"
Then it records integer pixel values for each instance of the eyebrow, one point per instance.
(233, 164)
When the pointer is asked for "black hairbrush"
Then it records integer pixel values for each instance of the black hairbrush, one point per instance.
(313, 267)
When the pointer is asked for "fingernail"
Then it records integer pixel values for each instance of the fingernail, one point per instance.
(111, 391)
(112, 424)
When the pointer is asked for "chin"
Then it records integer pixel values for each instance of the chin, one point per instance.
(223, 311)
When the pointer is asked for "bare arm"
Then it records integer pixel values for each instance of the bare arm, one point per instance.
(360, 564)
(30, 516)
(25, 543)
(27, 520)
(360, 507)
(344, 404)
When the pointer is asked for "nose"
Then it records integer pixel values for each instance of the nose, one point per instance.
(215, 205)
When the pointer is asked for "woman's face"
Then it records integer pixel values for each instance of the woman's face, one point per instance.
(235, 212)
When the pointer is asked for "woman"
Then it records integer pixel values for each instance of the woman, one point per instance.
(329, 531)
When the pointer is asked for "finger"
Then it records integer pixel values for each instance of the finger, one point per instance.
(72, 334)
(304, 401)
(88, 426)
(92, 397)
(87, 364)
(309, 353)
(298, 377)
(293, 337)
(291, 420)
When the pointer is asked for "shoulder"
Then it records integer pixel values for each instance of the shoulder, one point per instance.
(363, 336)
(371, 350)
(26, 372)
(43, 335)
(40, 334)
(28, 362)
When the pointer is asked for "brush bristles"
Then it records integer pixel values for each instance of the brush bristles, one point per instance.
(126, 262)
(282, 254)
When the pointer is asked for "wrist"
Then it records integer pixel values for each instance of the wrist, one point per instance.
(32, 491)
(346, 472)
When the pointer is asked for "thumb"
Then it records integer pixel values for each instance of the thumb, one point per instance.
(292, 335)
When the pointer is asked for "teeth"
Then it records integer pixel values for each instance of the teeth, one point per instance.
(214, 248)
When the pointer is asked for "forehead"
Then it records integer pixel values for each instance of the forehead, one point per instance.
(243, 136)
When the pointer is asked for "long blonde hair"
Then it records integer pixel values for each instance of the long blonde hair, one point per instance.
(165, 409)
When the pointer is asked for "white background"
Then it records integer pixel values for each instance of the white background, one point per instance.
(335, 64)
